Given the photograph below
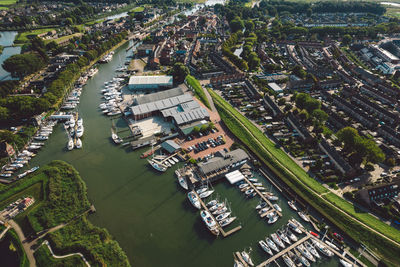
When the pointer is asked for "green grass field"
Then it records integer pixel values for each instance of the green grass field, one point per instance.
(23, 37)
(198, 90)
(137, 9)
(44, 258)
(7, 2)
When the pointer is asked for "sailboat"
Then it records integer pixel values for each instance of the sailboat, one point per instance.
(181, 180)
(157, 166)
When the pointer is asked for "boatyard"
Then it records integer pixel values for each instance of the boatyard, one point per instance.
(152, 206)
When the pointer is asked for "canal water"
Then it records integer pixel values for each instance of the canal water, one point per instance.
(7, 39)
(147, 212)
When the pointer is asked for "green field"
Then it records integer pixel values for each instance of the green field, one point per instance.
(44, 258)
(23, 37)
(7, 2)
(198, 90)
(137, 9)
(248, 135)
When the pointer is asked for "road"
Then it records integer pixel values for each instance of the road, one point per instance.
(26, 246)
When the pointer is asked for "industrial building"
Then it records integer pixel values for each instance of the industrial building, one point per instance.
(224, 162)
(150, 82)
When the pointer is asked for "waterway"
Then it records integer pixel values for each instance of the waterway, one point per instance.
(147, 212)
(7, 39)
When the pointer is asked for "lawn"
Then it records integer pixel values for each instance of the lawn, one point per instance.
(44, 258)
(23, 37)
(198, 90)
(63, 38)
(137, 9)
(7, 2)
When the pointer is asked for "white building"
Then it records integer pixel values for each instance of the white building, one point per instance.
(149, 82)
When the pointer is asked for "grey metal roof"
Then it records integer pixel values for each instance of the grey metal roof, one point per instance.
(158, 96)
(160, 104)
(186, 112)
(170, 146)
(237, 156)
(149, 80)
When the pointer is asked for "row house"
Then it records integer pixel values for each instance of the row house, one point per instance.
(330, 84)
(390, 135)
(295, 124)
(346, 77)
(374, 108)
(378, 193)
(389, 90)
(273, 106)
(230, 78)
(338, 161)
(376, 94)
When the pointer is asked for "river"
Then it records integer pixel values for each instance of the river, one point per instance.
(7, 39)
(145, 211)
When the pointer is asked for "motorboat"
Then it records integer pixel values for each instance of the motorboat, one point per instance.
(302, 259)
(288, 261)
(78, 143)
(312, 250)
(171, 161)
(206, 194)
(253, 180)
(41, 137)
(70, 144)
(271, 244)
(227, 221)
(345, 263)
(157, 166)
(297, 223)
(212, 203)
(277, 240)
(272, 197)
(245, 185)
(251, 195)
(246, 258)
(116, 138)
(305, 253)
(291, 236)
(294, 258)
(322, 248)
(248, 192)
(303, 216)
(272, 219)
(291, 204)
(260, 188)
(5, 175)
(193, 198)
(209, 221)
(261, 205)
(79, 131)
(166, 163)
(181, 180)
(276, 206)
(217, 206)
(263, 210)
(175, 159)
(19, 176)
(283, 237)
(34, 169)
(258, 184)
(220, 211)
(265, 247)
(223, 216)
(201, 190)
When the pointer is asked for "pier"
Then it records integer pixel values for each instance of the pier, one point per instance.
(263, 198)
(221, 230)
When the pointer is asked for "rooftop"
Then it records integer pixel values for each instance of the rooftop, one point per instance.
(147, 80)
(158, 96)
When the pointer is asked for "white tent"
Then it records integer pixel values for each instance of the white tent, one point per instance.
(234, 177)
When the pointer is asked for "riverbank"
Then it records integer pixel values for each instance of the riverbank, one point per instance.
(62, 204)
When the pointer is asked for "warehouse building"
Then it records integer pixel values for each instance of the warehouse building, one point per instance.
(150, 82)
(224, 162)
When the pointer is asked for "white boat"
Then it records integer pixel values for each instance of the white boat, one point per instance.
(22, 174)
(248, 192)
(206, 194)
(292, 205)
(260, 188)
(246, 258)
(283, 237)
(303, 216)
(223, 216)
(277, 240)
(297, 223)
(212, 203)
(305, 252)
(175, 159)
(78, 143)
(273, 219)
(194, 200)
(258, 184)
(217, 206)
(345, 263)
(166, 163)
(288, 261)
(171, 161)
(253, 180)
(292, 236)
(302, 259)
(312, 250)
(276, 206)
(265, 247)
(5, 175)
(79, 131)
(41, 138)
(70, 144)
(294, 227)
(157, 166)
(263, 210)
(245, 185)
(201, 190)
(261, 205)
(34, 169)
(181, 180)
(271, 244)
(220, 211)
(209, 221)
(270, 197)
(116, 138)
(331, 245)
(322, 248)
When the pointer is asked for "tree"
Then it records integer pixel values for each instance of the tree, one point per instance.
(304, 115)
(211, 125)
(236, 24)
(4, 113)
(179, 71)
(281, 101)
(196, 129)
(301, 100)
(299, 71)
(320, 115)
(21, 65)
(347, 39)
(348, 137)
(288, 107)
(249, 25)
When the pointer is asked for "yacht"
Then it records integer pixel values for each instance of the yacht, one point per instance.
(175, 159)
(212, 203)
(253, 180)
(345, 263)
(271, 244)
(291, 204)
(277, 240)
(217, 206)
(78, 143)
(206, 194)
(223, 216)
(312, 250)
(157, 166)
(79, 131)
(248, 192)
(331, 245)
(305, 252)
(265, 247)
(283, 237)
(271, 197)
(263, 210)
(220, 211)
(171, 161)
(34, 169)
(273, 219)
(292, 236)
(201, 190)
(245, 185)
(303, 216)
(41, 137)
(297, 223)
(258, 184)
(227, 221)
(181, 180)
(261, 205)
(116, 138)
(193, 198)
(70, 144)
(209, 221)
(322, 248)
(302, 259)
(288, 261)
(276, 206)
(246, 258)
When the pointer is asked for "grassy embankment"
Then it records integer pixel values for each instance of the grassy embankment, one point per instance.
(5, 3)
(198, 90)
(23, 37)
(61, 197)
(44, 258)
(298, 180)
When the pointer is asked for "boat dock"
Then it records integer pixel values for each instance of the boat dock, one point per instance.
(263, 198)
(221, 230)
(239, 258)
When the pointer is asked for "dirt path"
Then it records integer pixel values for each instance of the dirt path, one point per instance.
(26, 246)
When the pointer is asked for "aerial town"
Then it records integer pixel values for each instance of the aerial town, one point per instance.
(200, 133)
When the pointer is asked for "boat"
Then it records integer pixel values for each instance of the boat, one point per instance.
(272, 198)
(331, 245)
(5, 175)
(251, 195)
(237, 264)
(272, 219)
(19, 176)
(288, 261)
(305, 253)
(193, 198)
(253, 180)
(246, 258)
(265, 247)
(345, 263)
(271, 244)
(181, 180)
(292, 205)
(206, 194)
(220, 211)
(171, 161)
(212, 203)
(248, 192)
(258, 184)
(70, 144)
(227, 221)
(260, 188)
(116, 138)
(217, 206)
(283, 237)
(276, 206)
(166, 163)
(223, 216)
(322, 248)
(303, 216)
(294, 258)
(175, 159)
(292, 236)
(302, 259)
(245, 185)
(294, 227)
(79, 131)
(209, 221)
(312, 250)
(78, 143)
(41, 138)
(277, 240)
(261, 205)
(263, 210)
(297, 223)
(157, 166)
(34, 169)
(201, 190)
